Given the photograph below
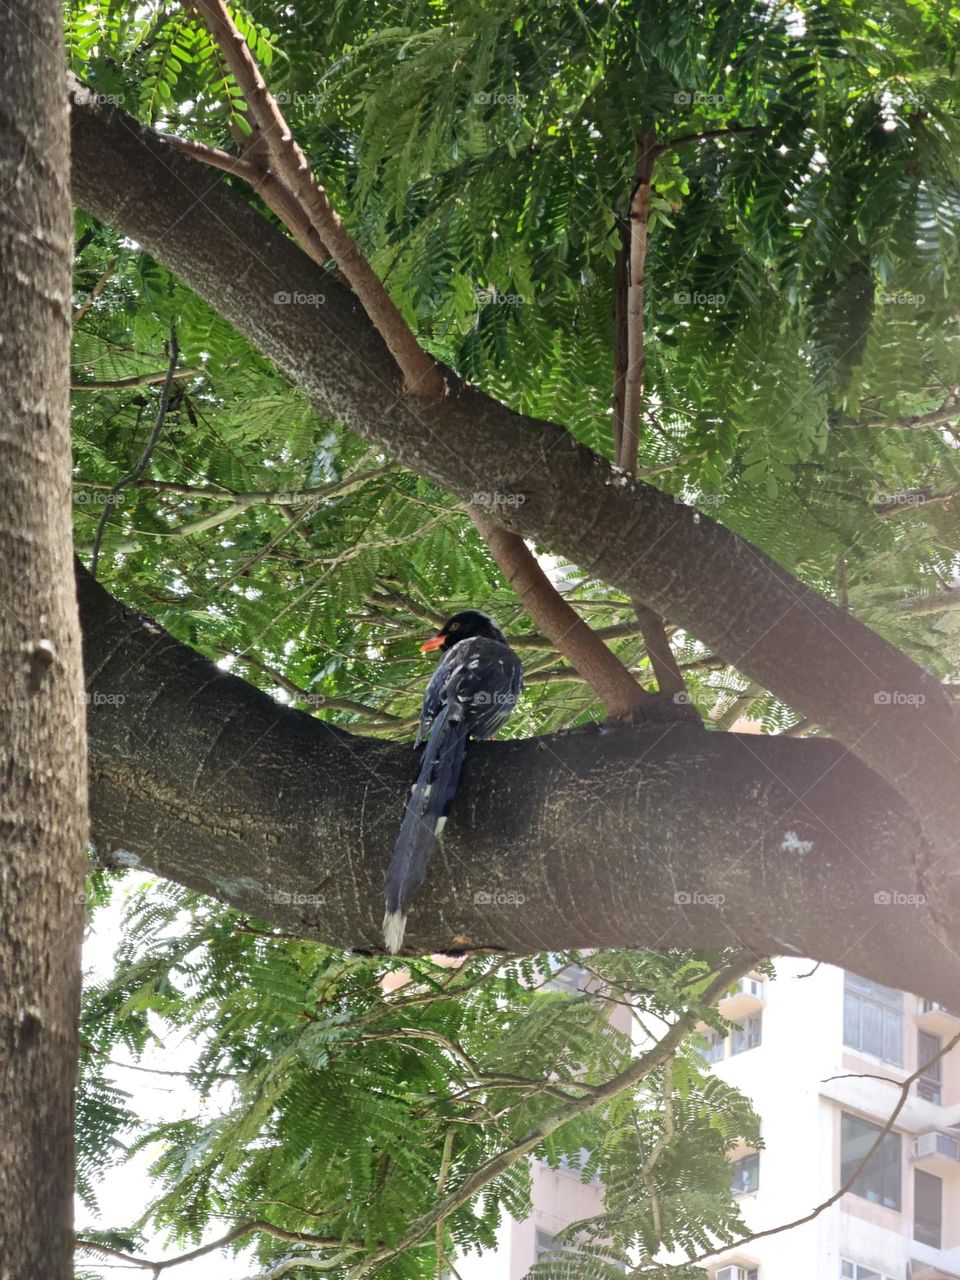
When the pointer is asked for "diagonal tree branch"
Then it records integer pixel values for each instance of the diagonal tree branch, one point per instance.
(904, 1088)
(617, 688)
(621, 694)
(738, 602)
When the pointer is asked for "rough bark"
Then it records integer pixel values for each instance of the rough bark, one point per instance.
(42, 765)
(745, 607)
(666, 836)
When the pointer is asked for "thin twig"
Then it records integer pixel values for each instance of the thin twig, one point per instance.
(144, 460)
(251, 1227)
(95, 292)
(814, 1213)
(496, 1165)
(135, 380)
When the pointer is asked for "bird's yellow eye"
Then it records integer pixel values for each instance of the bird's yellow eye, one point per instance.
(454, 626)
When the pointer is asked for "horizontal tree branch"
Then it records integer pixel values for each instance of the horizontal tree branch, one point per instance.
(687, 838)
(948, 412)
(946, 601)
(135, 380)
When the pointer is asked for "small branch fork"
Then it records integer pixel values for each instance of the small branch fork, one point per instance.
(603, 671)
(305, 208)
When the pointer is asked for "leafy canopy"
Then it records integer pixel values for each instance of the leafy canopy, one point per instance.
(800, 281)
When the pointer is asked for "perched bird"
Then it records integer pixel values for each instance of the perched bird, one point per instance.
(470, 695)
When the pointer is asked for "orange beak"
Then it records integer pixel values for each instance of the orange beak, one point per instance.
(435, 642)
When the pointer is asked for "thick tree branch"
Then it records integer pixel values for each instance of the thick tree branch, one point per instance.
(743, 606)
(692, 839)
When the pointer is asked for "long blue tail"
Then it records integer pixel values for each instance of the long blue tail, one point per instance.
(423, 819)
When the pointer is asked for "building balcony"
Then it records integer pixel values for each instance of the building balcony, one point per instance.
(933, 1264)
(938, 1153)
(746, 998)
(937, 1019)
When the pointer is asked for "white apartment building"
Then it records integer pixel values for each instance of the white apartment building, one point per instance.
(821, 1053)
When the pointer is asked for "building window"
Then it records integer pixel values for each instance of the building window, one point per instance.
(546, 1243)
(850, 1270)
(929, 1084)
(879, 1179)
(927, 1208)
(737, 1273)
(746, 1174)
(571, 978)
(873, 1019)
(713, 1050)
(746, 1034)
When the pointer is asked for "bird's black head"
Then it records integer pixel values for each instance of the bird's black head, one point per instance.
(464, 626)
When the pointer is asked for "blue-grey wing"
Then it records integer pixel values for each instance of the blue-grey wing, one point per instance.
(434, 697)
(487, 685)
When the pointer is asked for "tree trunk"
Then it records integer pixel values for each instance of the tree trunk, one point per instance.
(42, 757)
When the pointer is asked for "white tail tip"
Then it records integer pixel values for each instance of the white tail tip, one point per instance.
(394, 925)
